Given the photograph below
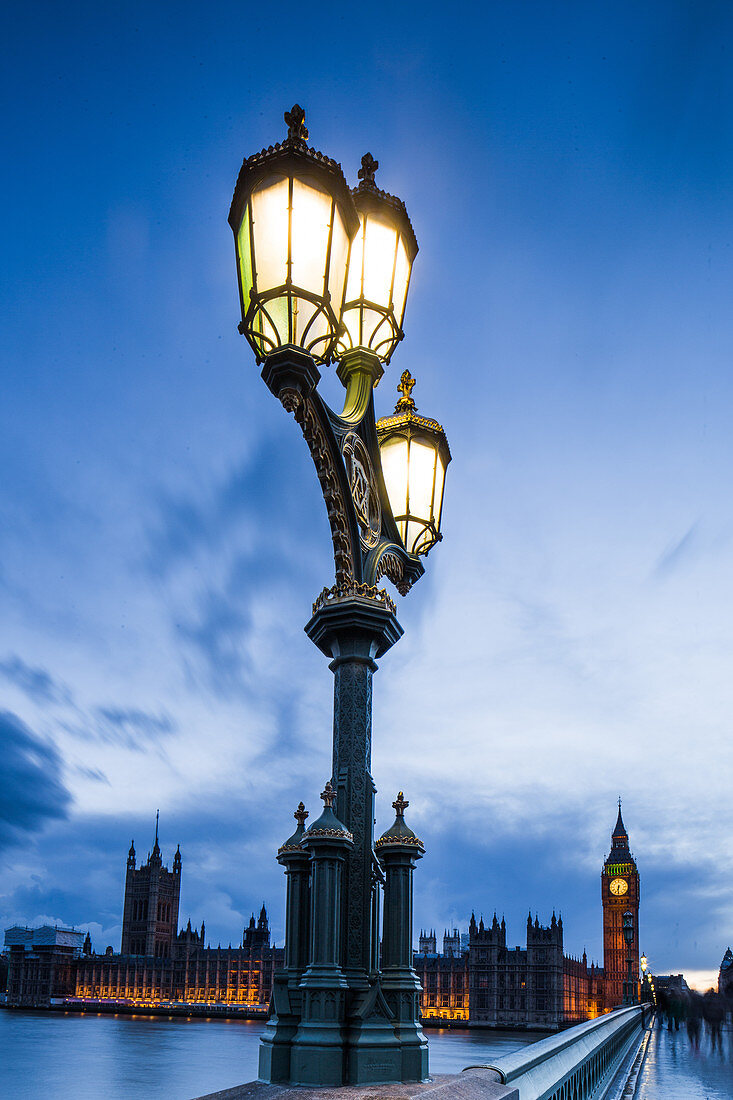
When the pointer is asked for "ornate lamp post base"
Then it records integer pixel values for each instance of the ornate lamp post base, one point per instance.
(336, 1017)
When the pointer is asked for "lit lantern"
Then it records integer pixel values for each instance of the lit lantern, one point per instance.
(293, 219)
(643, 962)
(415, 454)
(381, 260)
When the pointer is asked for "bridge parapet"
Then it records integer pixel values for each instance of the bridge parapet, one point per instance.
(577, 1064)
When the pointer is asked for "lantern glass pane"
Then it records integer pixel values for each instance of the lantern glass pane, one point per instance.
(309, 237)
(439, 486)
(421, 477)
(394, 456)
(354, 282)
(272, 322)
(310, 325)
(270, 221)
(339, 256)
(380, 243)
(244, 249)
(401, 280)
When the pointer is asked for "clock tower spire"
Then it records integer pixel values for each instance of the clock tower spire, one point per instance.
(620, 898)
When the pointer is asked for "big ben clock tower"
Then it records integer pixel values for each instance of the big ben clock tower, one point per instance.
(620, 897)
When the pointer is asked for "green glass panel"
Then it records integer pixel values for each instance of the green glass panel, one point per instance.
(244, 246)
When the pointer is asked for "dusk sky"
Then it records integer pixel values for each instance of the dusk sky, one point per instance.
(567, 168)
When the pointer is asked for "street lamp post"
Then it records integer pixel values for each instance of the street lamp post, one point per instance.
(323, 275)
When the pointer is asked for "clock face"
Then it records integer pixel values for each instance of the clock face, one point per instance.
(618, 886)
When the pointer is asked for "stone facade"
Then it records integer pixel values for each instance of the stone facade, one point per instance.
(620, 898)
(157, 964)
(725, 976)
(493, 985)
(191, 973)
(41, 964)
(150, 911)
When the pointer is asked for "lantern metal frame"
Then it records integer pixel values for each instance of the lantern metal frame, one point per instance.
(370, 200)
(287, 160)
(405, 423)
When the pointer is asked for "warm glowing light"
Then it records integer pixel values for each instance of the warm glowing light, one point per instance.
(381, 260)
(414, 454)
(293, 219)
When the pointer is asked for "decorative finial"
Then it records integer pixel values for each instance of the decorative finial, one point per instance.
(366, 173)
(300, 814)
(400, 805)
(328, 795)
(405, 387)
(295, 118)
(619, 802)
(157, 815)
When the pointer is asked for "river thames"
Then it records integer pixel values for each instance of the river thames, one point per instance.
(55, 1056)
(52, 1055)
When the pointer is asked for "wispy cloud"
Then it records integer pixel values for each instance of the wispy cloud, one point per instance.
(132, 727)
(32, 790)
(677, 553)
(37, 683)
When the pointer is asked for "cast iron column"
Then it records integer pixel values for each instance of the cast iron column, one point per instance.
(317, 1051)
(354, 630)
(398, 851)
(284, 1017)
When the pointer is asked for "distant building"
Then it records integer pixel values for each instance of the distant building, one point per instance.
(492, 985)
(476, 978)
(480, 979)
(41, 964)
(157, 964)
(725, 976)
(150, 912)
(189, 974)
(620, 900)
(673, 985)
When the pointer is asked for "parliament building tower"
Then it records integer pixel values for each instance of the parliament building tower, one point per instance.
(152, 894)
(620, 898)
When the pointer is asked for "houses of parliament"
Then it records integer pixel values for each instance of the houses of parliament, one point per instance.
(477, 979)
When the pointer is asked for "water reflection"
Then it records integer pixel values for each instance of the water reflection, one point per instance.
(690, 1057)
(65, 1055)
(86, 1057)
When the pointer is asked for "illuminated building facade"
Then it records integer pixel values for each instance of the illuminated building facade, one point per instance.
(476, 979)
(620, 899)
(191, 974)
(443, 977)
(492, 985)
(158, 966)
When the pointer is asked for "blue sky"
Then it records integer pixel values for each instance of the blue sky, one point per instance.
(567, 169)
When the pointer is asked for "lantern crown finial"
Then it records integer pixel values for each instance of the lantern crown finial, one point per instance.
(405, 403)
(400, 805)
(328, 795)
(300, 814)
(295, 118)
(366, 173)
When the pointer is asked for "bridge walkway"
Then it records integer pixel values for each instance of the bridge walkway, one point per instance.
(683, 1066)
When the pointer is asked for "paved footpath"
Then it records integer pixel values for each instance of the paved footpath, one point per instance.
(679, 1066)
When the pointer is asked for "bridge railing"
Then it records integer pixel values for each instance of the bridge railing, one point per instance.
(577, 1064)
